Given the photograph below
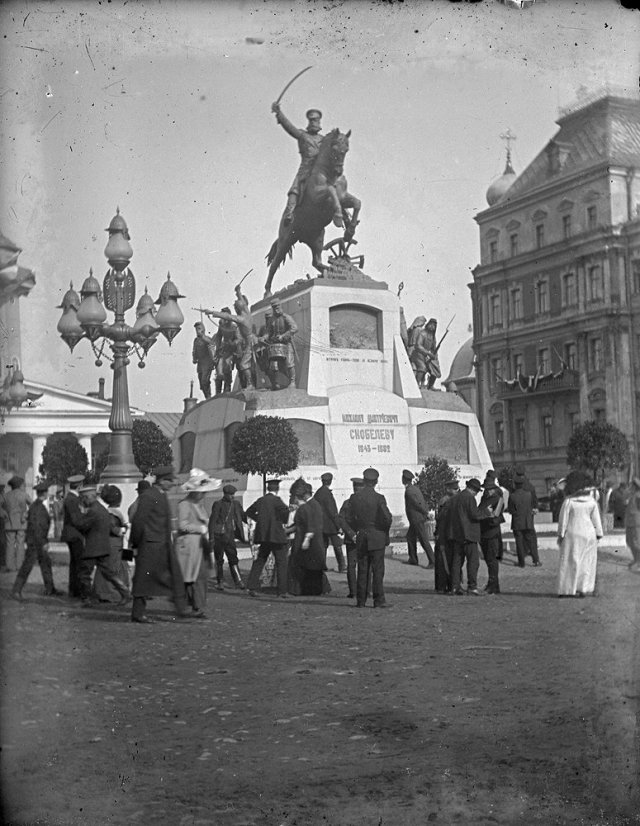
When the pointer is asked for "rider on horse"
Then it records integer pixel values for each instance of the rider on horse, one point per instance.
(308, 146)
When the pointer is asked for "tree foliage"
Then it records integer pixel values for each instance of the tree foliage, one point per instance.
(433, 477)
(597, 447)
(505, 477)
(265, 444)
(62, 457)
(151, 448)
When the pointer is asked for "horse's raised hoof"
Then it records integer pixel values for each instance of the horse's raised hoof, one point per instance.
(338, 220)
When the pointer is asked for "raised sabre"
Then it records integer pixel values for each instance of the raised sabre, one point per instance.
(293, 79)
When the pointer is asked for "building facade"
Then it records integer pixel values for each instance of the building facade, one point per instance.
(556, 296)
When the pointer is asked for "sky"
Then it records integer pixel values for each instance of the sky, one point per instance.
(163, 110)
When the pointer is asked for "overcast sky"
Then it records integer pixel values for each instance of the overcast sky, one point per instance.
(163, 109)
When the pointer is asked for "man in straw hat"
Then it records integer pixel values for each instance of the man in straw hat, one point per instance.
(96, 527)
(157, 570)
(38, 521)
(71, 534)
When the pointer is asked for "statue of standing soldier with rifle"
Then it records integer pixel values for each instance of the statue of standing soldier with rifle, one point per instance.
(423, 352)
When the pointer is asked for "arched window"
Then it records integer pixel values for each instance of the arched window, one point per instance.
(311, 441)
(355, 327)
(187, 446)
(448, 440)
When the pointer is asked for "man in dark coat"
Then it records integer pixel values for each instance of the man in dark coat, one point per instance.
(465, 528)
(490, 532)
(331, 526)
(96, 527)
(521, 508)
(71, 521)
(371, 519)
(417, 513)
(270, 515)
(226, 524)
(444, 540)
(157, 570)
(38, 521)
(346, 518)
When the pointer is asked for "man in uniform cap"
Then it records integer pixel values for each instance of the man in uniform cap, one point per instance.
(157, 570)
(417, 513)
(38, 521)
(331, 525)
(71, 521)
(309, 140)
(346, 518)
(270, 514)
(465, 527)
(226, 524)
(202, 357)
(371, 520)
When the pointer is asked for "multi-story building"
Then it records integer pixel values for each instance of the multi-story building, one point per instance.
(556, 296)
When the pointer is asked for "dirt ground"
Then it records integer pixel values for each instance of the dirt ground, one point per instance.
(513, 709)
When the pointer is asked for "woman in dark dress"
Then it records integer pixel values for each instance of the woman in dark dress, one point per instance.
(308, 554)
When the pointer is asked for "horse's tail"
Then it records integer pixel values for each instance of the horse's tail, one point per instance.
(274, 249)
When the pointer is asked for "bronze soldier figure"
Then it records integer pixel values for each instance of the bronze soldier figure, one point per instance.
(224, 344)
(202, 356)
(247, 337)
(281, 329)
(423, 352)
(308, 146)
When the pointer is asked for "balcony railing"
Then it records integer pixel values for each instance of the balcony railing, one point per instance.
(539, 385)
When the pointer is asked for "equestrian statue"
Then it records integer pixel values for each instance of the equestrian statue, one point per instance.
(318, 194)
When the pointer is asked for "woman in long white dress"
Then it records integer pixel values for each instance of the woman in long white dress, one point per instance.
(192, 542)
(579, 529)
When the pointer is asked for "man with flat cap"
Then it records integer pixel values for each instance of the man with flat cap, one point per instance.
(309, 140)
(71, 534)
(331, 525)
(157, 570)
(346, 519)
(417, 513)
(270, 514)
(38, 521)
(226, 524)
(96, 527)
(444, 541)
(466, 517)
(371, 519)
(490, 531)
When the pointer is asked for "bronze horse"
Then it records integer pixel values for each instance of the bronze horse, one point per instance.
(325, 199)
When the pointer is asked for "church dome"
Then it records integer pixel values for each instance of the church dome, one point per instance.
(462, 364)
(500, 186)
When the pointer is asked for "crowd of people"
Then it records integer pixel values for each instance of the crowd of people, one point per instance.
(177, 560)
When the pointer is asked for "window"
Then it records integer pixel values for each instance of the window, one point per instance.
(595, 355)
(595, 284)
(635, 274)
(493, 251)
(592, 217)
(547, 423)
(600, 414)
(542, 297)
(495, 310)
(544, 361)
(571, 355)
(566, 226)
(499, 434)
(569, 290)
(495, 366)
(518, 364)
(516, 304)
(521, 434)
(539, 235)
(574, 421)
(513, 241)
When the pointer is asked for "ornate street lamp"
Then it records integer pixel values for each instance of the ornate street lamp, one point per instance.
(13, 393)
(85, 316)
